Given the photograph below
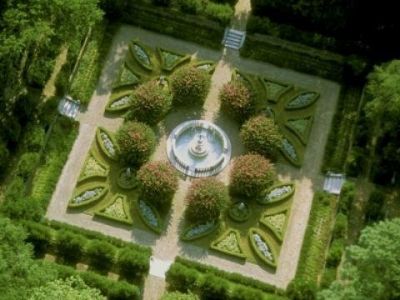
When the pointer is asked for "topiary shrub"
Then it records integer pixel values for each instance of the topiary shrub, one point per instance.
(189, 86)
(101, 255)
(132, 264)
(206, 200)
(250, 175)
(301, 289)
(70, 246)
(150, 103)
(158, 182)
(260, 135)
(236, 100)
(136, 142)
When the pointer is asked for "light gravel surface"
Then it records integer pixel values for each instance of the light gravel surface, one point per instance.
(167, 246)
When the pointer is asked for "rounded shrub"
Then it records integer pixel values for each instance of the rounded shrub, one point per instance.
(301, 289)
(250, 175)
(190, 86)
(136, 142)
(260, 135)
(236, 100)
(101, 255)
(132, 264)
(206, 200)
(150, 103)
(70, 246)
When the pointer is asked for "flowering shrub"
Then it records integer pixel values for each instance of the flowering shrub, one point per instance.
(150, 102)
(206, 200)
(137, 142)
(158, 182)
(190, 85)
(236, 100)
(250, 175)
(261, 135)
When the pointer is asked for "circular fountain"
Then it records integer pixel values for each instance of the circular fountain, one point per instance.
(198, 148)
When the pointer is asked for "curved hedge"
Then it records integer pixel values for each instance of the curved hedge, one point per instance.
(270, 262)
(90, 199)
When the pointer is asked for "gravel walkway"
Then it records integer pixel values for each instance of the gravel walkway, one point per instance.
(168, 246)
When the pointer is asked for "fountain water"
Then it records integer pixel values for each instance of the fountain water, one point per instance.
(198, 148)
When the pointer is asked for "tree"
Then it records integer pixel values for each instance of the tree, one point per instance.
(150, 103)
(206, 200)
(371, 269)
(189, 86)
(236, 100)
(72, 288)
(250, 175)
(158, 182)
(137, 142)
(261, 135)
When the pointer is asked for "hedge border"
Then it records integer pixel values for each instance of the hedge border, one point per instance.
(158, 229)
(267, 240)
(93, 199)
(126, 208)
(222, 237)
(184, 59)
(203, 234)
(94, 156)
(101, 144)
(281, 198)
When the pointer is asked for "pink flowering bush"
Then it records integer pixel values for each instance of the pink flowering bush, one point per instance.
(236, 100)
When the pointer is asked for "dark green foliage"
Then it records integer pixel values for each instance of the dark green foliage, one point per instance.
(193, 7)
(122, 290)
(236, 100)
(22, 207)
(341, 224)
(164, 3)
(178, 296)
(218, 12)
(206, 200)
(374, 209)
(4, 155)
(136, 142)
(328, 277)
(27, 164)
(158, 182)
(182, 278)
(335, 253)
(34, 138)
(301, 289)
(246, 293)
(250, 175)
(131, 263)
(101, 255)
(40, 236)
(347, 196)
(214, 288)
(150, 103)
(261, 135)
(190, 86)
(70, 246)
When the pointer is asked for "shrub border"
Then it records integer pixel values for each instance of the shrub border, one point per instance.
(223, 236)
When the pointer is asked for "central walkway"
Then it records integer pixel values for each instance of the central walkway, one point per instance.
(167, 246)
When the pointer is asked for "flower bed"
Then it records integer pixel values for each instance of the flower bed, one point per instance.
(276, 223)
(170, 60)
(239, 212)
(107, 143)
(276, 193)
(90, 195)
(229, 243)
(206, 65)
(93, 168)
(140, 54)
(290, 152)
(300, 127)
(127, 179)
(275, 89)
(127, 77)
(118, 210)
(119, 104)
(149, 216)
(199, 230)
(261, 247)
(302, 100)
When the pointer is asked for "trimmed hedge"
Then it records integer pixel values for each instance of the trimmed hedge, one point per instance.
(132, 264)
(70, 246)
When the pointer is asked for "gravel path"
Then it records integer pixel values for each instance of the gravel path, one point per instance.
(168, 246)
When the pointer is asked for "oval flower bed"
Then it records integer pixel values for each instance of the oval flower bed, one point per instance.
(276, 223)
(149, 216)
(239, 212)
(90, 195)
(276, 193)
(118, 210)
(302, 100)
(93, 168)
(229, 243)
(199, 230)
(119, 104)
(289, 151)
(107, 143)
(259, 244)
(141, 55)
